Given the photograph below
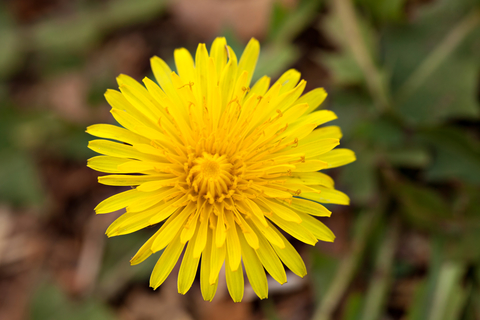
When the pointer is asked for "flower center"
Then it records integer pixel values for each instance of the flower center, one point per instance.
(211, 177)
(209, 168)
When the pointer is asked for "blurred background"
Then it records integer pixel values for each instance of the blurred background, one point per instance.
(403, 77)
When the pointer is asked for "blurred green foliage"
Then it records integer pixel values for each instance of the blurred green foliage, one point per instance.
(50, 303)
(416, 136)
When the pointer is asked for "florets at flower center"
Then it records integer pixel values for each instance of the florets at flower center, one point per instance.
(211, 176)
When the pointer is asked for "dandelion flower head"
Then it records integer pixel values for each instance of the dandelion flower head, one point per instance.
(222, 166)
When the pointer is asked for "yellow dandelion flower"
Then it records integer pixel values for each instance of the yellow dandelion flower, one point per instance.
(223, 165)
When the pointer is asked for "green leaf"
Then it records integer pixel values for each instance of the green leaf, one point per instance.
(275, 59)
(384, 11)
(449, 295)
(422, 206)
(354, 110)
(425, 289)
(353, 306)
(343, 64)
(381, 133)
(286, 24)
(278, 17)
(323, 270)
(50, 303)
(408, 156)
(345, 70)
(434, 65)
(19, 183)
(10, 55)
(69, 35)
(359, 177)
(457, 156)
(120, 13)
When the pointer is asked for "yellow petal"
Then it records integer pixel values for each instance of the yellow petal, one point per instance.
(338, 157)
(119, 201)
(144, 252)
(162, 73)
(170, 229)
(136, 166)
(128, 180)
(142, 101)
(272, 192)
(170, 207)
(201, 69)
(254, 269)
(120, 103)
(314, 98)
(327, 196)
(310, 207)
(317, 118)
(311, 178)
(216, 263)
(255, 209)
(220, 231)
(134, 220)
(202, 233)
(310, 165)
(288, 80)
(298, 132)
(109, 131)
(123, 79)
(273, 169)
(167, 261)
(126, 120)
(129, 222)
(149, 149)
(235, 282)
(156, 135)
(312, 149)
(290, 257)
(249, 58)
(294, 229)
(208, 290)
(106, 164)
(114, 149)
(158, 184)
(248, 233)
(218, 52)
(213, 97)
(233, 244)
(164, 102)
(317, 228)
(270, 260)
(295, 185)
(269, 233)
(285, 100)
(185, 65)
(190, 228)
(240, 90)
(215, 104)
(260, 87)
(281, 211)
(152, 199)
(188, 268)
(293, 113)
(227, 81)
(265, 107)
(332, 132)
